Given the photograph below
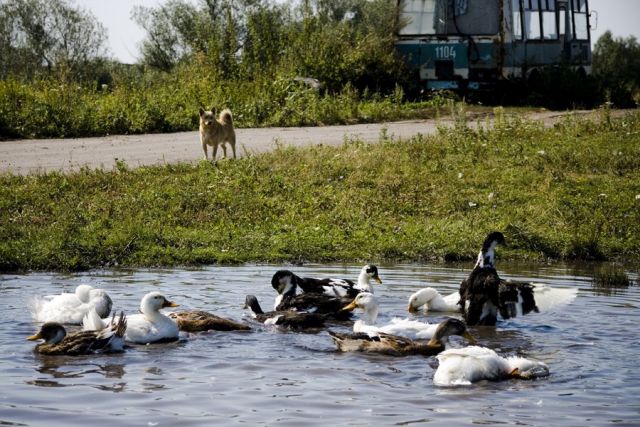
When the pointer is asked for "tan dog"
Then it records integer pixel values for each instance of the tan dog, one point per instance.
(217, 131)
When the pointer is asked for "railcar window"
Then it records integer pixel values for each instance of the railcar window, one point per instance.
(581, 24)
(532, 19)
(418, 16)
(517, 19)
(549, 23)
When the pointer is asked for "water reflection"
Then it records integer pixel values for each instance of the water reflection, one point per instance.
(55, 370)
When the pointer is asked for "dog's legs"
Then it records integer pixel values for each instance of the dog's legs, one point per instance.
(204, 148)
(232, 142)
(224, 150)
(215, 152)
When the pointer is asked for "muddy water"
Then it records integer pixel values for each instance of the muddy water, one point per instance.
(270, 377)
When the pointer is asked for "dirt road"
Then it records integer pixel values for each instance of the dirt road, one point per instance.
(44, 155)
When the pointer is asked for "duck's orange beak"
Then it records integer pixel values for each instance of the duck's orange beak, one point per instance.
(469, 337)
(168, 303)
(35, 337)
(350, 307)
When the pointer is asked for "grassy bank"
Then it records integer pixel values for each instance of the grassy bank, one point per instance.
(570, 192)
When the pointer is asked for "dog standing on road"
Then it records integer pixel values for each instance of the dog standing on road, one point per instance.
(217, 131)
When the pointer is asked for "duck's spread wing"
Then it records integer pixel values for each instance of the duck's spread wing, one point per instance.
(516, 298)
(482, 286)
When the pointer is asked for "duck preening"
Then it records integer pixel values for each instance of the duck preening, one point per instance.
(432, 300)
(484, 295)
(70, 308)
(109, 338)
(198, 321)
(285, 318)
(395, 345)
(463, 366)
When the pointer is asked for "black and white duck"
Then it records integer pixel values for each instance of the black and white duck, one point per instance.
(199, 321)
(286, 318)
(286, 284)
(57, 342)
(395, 345)
(484, 295)
(342, 287)
(337, 288)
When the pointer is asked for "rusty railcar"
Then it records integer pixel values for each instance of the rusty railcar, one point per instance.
(473, 44)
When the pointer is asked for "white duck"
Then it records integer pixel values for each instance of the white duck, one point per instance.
(147, 327)
(463, 366)
(70, 308)
(403, 327)
(432, 300)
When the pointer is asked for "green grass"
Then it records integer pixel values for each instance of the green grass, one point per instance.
(569, 192)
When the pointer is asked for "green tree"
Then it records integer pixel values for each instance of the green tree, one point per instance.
(39, 34)
(616, 63)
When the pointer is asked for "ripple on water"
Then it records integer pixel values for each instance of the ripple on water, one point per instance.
(267, 377)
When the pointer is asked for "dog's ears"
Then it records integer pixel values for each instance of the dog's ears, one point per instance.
(201, 112)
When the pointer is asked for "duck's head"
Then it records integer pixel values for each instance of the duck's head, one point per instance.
(368, 303)
(486, 257)
(369, 272)
(101, 302)
(153, 302)
(251, 302)
(420, 298)
(363, 300)
(450, 327)
(50, 332)
(284, 282)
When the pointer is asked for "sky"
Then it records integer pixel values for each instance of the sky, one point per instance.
(622, 17)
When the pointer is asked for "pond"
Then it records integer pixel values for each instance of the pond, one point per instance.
(276, 378)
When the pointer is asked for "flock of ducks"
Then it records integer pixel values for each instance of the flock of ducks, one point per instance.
(303, 303)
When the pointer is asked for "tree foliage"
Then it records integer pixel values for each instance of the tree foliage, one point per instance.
(338, 42)
(616, 63)
(37, 35)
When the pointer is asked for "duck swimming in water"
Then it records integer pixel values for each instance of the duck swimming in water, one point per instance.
(70, 308)
(198, 321)
(286, 284)
(149, 326)
(367, 323)
(58, 342)
(484, 295)
(395, 345)
(341, 287)
(463, 366)
(285, 318)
